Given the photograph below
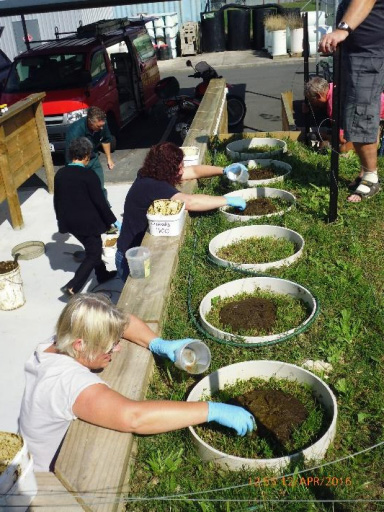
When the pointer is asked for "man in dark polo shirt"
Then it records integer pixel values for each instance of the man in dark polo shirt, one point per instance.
(95, 128)
(360, 27)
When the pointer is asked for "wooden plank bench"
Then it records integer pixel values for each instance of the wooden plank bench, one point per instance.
(97, 461)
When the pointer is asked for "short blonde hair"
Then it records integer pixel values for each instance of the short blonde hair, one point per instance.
(315, 86)
(92, 318)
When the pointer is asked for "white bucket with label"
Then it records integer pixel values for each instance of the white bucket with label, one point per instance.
(11, 286)
(17, 480)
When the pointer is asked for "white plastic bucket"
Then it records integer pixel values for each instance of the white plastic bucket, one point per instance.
(249, 285)
(254, 193)
(11, 289)
(20, 496)
(139, 262)
(238, 149)
(242, 233)
(297, 35)
(228, 375)
(279, 42)
(18, 464)
(191, 155)
(166, 225)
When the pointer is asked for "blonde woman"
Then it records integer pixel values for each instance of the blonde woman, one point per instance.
(61, 387)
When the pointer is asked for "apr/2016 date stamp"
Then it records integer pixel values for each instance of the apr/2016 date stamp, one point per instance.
(304, 481)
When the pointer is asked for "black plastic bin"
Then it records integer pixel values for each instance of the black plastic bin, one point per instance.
(239, 29)
(258, 15)
(212, 31)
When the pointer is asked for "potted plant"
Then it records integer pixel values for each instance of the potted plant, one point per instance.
(295, 33)
(276, 28)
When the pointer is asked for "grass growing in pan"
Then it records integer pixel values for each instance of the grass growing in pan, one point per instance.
(343, 266)
(264, 443)
(257, 250)
(290, 312)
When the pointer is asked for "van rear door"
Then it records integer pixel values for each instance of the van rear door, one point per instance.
(147, 65)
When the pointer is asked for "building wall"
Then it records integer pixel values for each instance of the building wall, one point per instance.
(66, 21)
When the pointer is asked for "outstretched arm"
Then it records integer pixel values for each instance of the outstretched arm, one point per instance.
(104, 407)
(194, 172)
(355, 14)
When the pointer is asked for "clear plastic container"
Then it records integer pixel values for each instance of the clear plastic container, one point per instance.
(139, 262)
(194, 357)
(237, 173)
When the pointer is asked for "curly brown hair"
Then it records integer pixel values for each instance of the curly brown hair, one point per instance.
(163, 163)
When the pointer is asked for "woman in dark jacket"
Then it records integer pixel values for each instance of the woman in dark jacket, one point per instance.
(82, 210)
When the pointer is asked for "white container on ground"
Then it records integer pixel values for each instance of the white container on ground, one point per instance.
(20, 496)
(11, 289)
(18, 464)
(249, 285)
(279, 42)
(166, 225)
(228, 375)
(242, 233)
(237, 150)
(139, 262)
(191, 155)
(285, 168)
(255, 193)
(296, 38)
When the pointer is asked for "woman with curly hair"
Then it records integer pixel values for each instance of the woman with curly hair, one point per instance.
(157, 179)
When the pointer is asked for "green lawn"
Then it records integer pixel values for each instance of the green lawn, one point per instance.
(343, 266)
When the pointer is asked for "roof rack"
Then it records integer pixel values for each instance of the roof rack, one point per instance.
(102, 27)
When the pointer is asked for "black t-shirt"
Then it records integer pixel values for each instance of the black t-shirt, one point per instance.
(368, 37)
(140, 196)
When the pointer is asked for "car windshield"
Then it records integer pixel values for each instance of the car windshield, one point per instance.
(45, 73)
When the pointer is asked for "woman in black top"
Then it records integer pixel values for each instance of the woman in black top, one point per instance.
(82, 210)
(162, 171)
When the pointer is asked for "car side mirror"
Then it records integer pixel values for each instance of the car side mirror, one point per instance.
(85, 78)
(189, 64)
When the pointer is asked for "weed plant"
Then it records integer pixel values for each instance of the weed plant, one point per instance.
(343, 265)
(257, 250)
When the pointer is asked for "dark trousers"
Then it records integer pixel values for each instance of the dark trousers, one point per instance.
(93, 251)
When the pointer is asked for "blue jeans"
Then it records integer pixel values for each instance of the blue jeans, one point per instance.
(121, 265)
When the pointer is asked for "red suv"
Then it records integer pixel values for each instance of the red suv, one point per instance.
(110, 64)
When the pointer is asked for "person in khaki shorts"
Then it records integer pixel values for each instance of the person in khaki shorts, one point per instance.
(360, 29)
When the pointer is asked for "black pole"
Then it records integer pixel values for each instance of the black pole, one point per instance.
(26, 38)
(307, 122)
(336, 111)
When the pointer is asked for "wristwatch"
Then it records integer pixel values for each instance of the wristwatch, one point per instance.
(344, 26)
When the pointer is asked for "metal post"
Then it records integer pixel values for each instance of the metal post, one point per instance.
(336, 103)
(306, 73)
(26, 38)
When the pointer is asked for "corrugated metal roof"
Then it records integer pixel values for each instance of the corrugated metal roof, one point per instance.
(18, 7)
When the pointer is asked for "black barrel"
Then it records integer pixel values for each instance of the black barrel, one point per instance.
(212, 31)
(164, 53)
(239, 29)
(258, 15)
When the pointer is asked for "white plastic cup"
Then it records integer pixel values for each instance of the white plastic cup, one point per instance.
(194, 357)
(238, 174)
(139, 262)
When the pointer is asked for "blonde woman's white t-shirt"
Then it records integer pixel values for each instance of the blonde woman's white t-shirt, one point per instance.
(53, 383)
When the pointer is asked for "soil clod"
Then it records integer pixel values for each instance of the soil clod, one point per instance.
(249, 313)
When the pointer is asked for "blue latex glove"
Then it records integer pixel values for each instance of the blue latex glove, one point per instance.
(231, 416)
(118, 225)
(235, 169)
(167, 348)
(236, 202)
